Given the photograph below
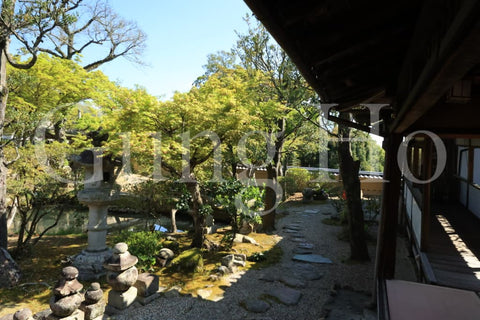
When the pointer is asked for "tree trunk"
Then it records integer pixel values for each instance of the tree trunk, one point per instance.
(173, 214)
(3, 168)
(351, 183)
(268, 220)
(198, 219)
(273, 171)
(12, 213)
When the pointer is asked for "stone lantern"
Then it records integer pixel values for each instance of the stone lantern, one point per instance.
(99, 192)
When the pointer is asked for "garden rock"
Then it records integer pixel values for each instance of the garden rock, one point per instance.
(223, 270)
(94, 304)
(7, 317)
(42, 315)
(165, 256)
(293, 282)
(233, 260)
(65, 306)
(306, 272)
(307, 194)
(246, 228)
(122, 281)
(257, 306)
(311, 258)
(23, 314)
(9, 270)
(247, 239)
(285, 295)
(118, 301)
(147, 284)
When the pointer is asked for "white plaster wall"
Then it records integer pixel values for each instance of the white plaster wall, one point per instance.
(474, 201)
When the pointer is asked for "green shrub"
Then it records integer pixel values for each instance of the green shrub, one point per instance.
(143, 244)
(296, 179)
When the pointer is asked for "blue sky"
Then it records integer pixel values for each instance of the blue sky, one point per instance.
(181, 33)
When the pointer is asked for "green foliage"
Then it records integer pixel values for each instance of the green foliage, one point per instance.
(155, 197)
(241, 202)
(371, 207)
(296, 179)
(206, 210)
(364, 149)
(143, 244)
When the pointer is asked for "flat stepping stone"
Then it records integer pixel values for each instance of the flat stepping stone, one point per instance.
(269, 277)
(256, 305)
(311, 211)
(305, 245)
(293, 282)
(306, 272)
(311, 258)
(291, 231)
(293, 227)
(285, 295)
(302, 251)
(298, 239)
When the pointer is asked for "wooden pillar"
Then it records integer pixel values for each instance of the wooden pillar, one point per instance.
(427, 158)
(387, 233)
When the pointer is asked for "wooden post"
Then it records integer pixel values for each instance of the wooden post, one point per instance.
(387, 233)
(427, 158)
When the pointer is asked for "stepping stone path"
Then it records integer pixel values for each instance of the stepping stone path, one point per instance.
(284, 285)
(313, 258)
(285, 295)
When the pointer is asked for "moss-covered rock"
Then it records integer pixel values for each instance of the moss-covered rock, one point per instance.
(188, 261)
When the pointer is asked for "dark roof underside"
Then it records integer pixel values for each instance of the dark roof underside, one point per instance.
(404, 52)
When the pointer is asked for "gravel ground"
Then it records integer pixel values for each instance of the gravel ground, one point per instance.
(316, 293)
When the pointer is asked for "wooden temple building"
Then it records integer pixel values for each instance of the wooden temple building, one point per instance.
(420, 60)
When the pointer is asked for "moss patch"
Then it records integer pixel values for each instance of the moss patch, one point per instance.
(188, 261)
(40, 271)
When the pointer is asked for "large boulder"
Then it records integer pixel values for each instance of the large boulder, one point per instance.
(9, 270)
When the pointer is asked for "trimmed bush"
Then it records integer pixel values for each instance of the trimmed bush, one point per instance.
(143, 244)
(297, 179)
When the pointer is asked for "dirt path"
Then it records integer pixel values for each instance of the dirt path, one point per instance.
(290, 289)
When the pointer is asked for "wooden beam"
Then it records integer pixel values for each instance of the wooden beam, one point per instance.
(454, 56)
(387, 233)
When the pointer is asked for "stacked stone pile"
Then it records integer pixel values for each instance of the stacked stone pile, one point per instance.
(122, 275)
(94, 305)
(66, 297)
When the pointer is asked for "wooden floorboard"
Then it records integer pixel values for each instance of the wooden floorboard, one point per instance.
(453, 247)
